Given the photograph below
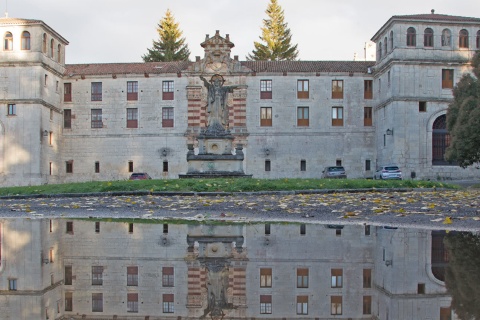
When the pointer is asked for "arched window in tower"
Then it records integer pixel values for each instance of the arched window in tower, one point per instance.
(428, 38)
(391, 40)
(440, 141)
(463, 39)
(478, 39)
(379, 51)
(385, 44)
(411, 37)
(25, 40)
(44, 43)
(52, 46)
(59, 51)
(446, 38)
(8, 42)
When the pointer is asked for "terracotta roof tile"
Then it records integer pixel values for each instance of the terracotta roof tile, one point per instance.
(126, 68)
(308, 66)
(432, 16)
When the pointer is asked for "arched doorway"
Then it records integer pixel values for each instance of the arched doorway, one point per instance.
(440, 141)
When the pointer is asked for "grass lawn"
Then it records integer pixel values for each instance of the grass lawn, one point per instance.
(216, 185)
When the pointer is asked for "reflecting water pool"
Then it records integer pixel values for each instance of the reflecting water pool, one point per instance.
(140, 269)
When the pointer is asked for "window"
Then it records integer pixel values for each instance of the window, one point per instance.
(44, 43)
(132, 118)
(367, 165)
(59, 53)
(367, 275)
(12, 109)
(422, 106)
(388, 79)
(165, 228)
(385, 45)
(446, 313)
(368, 89)
(446, 38)
(165, 166)
(45, 82)
(302, 117)
(302, 278)
(367, 304)
(391, 40)
(12, 284)
(379, 50)
(167, 277)
(265, 89)
(337, 278)
(265, 277)
(428, 38)
(168, 306)
(367, 227)
(421, 288)
(8, 44)
(441, 140)
(25, 45)
(97, 167)
(97, 118)
(336, 303)
(338, 162)
(447, 78)
(67, 92)
(337, 89)
(367, 116)
(266, 117)
(130, 166)
(303, 165)
(268, 165)
(132, 90)
(52, 45)
(302, 304)
(96, 91)
(463, 38)
(167, 90)
(97, 302)
(265, 304)
(68, 301)
(69, 166)
(69, 226)
(130, 228)
(132, 302)
(478, 40)
(302, 89)
(303, 229)
(50, 168)
(411, 37)
(267, 229)
(167, 117)
(97, 275)
(97, 227)
(132, 276)
(337, 116)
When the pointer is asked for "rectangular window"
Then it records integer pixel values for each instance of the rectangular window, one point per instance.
(367, 116)
(97, 118)
(50, 138)
(132, 302)
(96, 91)
(167, 90)
(130, 166)
(167, 277)
(168, 306)
(265, 89)
(337, 116)
(367, 230)
(388, 79)
(367, 275)
(338, 162)
(421, 288)
(266, 117)
(97, 302)
(132, 90)
(12, 284)
(69, 226)
(265, 304)
(422, 106)
(268, 165)
(302, 278)
(46, 80)
(265, 277)
(97, 227)
(302, 89)
(51, 114)
(303, 165)
(68, 301)
(303, 117)
(267, 229)
(69, 166)
(130, 228)
(368, 166)
(165, 166)
(67, 118)
(337, 278)
(50, 168)
(303, 229)
(12, 109)
(68, 277)
(368, 89)
(97, 275)
(302, 304)
(446, 313)
(97, 167)
(165, 228)
(167, 117)
(132, 118)
(132, 276)
(336, 303)
(447, 78)
(337, 89)
(67, 92)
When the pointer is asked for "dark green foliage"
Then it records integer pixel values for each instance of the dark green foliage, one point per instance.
(463, 119)
(275, 38)
(170, 46)
(462, 277)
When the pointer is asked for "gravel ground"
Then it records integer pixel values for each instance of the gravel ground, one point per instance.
(422, 208)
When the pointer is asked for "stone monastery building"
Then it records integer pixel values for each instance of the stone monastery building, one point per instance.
(83, 122)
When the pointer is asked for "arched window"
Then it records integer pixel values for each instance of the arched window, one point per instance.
(446, 38)
(8, 45)
(391, 40)
(440, 141)
(25, 40)
(59, 55)
(44, 44)
(428, 38)
(379, 51)
(52, 45)
(440, 256)
(478, 39)
(411, 37)
(463, 39)
(385, 44)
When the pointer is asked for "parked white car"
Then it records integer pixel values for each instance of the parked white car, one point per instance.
(388, 172)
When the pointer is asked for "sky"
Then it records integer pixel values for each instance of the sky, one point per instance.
(107, 31)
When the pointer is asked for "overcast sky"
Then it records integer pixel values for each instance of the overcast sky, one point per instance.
(102, 31)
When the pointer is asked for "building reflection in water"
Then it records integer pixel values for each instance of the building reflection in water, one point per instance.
(78, 269)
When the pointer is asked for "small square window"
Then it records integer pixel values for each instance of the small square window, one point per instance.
(338, 162)
(422, 106)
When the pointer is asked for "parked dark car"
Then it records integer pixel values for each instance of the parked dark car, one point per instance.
(140, 176)
(335, 172)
